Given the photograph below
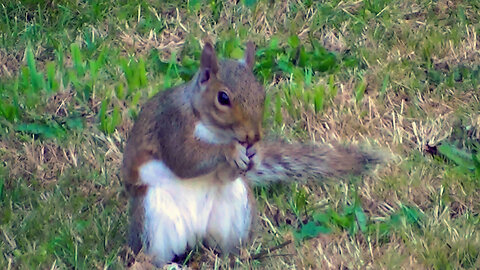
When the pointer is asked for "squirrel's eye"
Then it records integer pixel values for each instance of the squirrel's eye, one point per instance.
(223, 98)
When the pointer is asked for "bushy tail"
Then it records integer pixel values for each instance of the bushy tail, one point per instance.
(276, 161)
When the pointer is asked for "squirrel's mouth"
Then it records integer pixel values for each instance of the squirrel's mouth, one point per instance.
(244, 143)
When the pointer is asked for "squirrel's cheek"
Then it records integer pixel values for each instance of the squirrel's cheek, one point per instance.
(222, 120)
(239, 133)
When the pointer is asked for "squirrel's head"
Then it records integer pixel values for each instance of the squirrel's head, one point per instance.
(230, 101)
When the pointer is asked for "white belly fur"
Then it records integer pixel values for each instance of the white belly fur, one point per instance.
(180, 212)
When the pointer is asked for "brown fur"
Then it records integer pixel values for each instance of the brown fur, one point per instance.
(137, 215)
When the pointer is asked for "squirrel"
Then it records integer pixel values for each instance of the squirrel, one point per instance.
(196, 149)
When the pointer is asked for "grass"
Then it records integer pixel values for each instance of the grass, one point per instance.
(402, 75)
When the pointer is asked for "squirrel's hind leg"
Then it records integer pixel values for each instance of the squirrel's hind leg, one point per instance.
(166, 232)
(168, 227)
(231, 216)
(135, 230)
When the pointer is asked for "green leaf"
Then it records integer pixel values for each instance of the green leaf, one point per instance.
(395, 219)
(108, 123)
(303, 57)
(249, 3)
(36, 78)
(294, 41)
(361, 218)
(348, 220)
(318, 98)
(77, 59)
(75, 123)
(31, 60)
(278, 110)
(94, 67)
(385, 83)
(266, 107)
(135, 99)
(193, 5)
(236, 53)
(360, 91)
(332, 88)
(285, 65)
(2, 184)
(308, 76)
(102, 115)
(311, 230)
(343, 221)
(52, 83)
(9, 111)
(324, 61)
(54, 130)
(436, 77)
(476, 161)
(116, 118)
(160, 66)
(289, 101)
(321, 218)
(412, 214)
(458, 156)
(142, 73)
(274, 43)
(81, 225)
(300, 200)
(6, 216)
(120, 91)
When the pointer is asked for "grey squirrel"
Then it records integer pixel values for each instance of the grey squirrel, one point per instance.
(195, 150)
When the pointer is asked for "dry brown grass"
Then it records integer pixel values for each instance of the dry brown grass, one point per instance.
(402, 121)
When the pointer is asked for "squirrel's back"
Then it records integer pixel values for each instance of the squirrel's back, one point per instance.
(144, 141)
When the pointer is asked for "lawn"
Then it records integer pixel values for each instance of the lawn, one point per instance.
(401, 76)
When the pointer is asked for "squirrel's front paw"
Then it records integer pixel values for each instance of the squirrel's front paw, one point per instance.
(239, 157)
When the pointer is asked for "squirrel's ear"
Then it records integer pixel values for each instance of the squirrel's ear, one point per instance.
(208, 63)
(249, 57)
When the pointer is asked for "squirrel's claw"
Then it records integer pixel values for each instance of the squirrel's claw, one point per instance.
(251, 151)
(240, 158)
